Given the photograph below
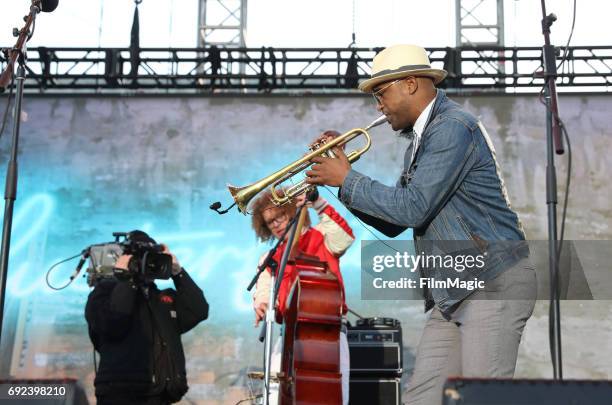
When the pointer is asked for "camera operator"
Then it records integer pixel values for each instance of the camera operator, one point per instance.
(137, 330)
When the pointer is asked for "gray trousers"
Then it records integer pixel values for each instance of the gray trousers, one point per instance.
(479, 339)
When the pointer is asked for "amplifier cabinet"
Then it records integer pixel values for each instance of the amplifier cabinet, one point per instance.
(375, 346)
(375, 391)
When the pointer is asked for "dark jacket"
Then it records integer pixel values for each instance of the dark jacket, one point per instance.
(137, 332)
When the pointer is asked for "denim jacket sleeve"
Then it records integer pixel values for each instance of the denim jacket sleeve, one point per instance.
(443, 164)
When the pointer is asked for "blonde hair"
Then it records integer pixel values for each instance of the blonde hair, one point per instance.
(264, 202)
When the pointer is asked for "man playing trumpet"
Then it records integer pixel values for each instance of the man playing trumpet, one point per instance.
(450, 189)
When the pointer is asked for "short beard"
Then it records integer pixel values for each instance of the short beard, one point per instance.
(405, 133)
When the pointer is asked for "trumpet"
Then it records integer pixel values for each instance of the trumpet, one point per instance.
(243, 195)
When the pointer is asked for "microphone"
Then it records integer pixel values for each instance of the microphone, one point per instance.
(216, 205)
(84, 256)
(312, 195)
(47, 6)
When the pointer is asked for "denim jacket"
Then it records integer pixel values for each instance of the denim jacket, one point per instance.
(452, 191)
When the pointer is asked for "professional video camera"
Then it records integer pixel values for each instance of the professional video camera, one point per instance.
(148, 261)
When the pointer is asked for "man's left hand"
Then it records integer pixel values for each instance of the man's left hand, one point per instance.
(176, 266)
(329, 171)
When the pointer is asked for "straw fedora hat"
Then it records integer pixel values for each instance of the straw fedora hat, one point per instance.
(400, 61)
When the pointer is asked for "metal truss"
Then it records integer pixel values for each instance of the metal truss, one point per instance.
(479, 22)
(222, 23)
(303, 70)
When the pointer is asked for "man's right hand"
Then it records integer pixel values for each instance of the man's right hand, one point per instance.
(260, 312)
(122, 266)
(123, 262)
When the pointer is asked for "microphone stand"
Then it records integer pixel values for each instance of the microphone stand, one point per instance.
(16, 55)
(268, 262)
(274, 284)
(553, 141)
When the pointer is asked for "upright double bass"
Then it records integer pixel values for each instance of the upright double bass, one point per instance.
(311, 348)
(310, 364)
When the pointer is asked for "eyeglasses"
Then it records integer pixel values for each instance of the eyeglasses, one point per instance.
(279, 219)
(378, 94)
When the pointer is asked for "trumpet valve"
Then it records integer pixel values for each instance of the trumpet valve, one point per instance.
(329, 154)
(316, 145)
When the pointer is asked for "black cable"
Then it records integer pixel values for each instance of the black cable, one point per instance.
(567, 187)
(8, 106)
(554, 283)
(54, 266)
(251, 398)
(565, 51)
(362, 224)
(31, 33)
(355, 313)
(551, 333)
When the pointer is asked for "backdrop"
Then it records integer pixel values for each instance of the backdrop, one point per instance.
(91, 166)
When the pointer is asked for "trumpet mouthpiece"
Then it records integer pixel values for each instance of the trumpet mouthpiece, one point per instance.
(378, 121)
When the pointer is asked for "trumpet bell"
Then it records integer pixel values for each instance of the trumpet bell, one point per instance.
(243, 195)
(234, 191)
